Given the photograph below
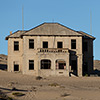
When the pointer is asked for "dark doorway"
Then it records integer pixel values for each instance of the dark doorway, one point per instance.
(85, 68)
(74, 66)
(16, 67)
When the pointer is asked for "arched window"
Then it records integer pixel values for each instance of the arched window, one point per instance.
(60, 64)
(45, 64)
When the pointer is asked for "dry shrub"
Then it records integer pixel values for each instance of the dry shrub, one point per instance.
(64, 95)
(39, 78)
(54, 84)
(18, 94)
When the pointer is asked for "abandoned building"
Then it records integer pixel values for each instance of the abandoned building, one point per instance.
(50, 49)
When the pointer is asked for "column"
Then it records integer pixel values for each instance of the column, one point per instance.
(79, 64)
(67, 64)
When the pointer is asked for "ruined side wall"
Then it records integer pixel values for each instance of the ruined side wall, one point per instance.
(88, 55)
(14, 56)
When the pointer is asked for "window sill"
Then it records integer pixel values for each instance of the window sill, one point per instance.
(31, 69)
(61, 69)
(17, 51)
(31, 48)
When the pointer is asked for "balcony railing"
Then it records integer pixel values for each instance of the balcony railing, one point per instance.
(53, 50)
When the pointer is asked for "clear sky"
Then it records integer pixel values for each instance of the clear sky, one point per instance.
(74, 14)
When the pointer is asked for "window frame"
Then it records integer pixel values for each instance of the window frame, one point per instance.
(31, 43)
(31, 62)
(60, 64)
(73, 43)
(16, 45)
(43, 46)
(43, 64)
(58, 44)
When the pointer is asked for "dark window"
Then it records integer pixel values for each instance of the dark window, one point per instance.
(16, 45)
(45, 64)
(31, 43)
(59, 45)
(74, 65)
(73, 44)
(61, 65)
(16, 67)
(85, 46)
(45, 44)
(31, 64)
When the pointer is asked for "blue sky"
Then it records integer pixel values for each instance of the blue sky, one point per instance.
(74, 14)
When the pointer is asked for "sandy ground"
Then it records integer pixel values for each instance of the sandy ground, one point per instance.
(50, 88)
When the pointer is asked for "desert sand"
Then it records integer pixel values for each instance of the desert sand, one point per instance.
(49, 88)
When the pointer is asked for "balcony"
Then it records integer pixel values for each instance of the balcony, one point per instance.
(53, 50)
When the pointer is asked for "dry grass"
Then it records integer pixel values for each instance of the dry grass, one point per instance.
(18, 94)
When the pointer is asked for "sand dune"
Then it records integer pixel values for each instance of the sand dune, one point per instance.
(50, 88)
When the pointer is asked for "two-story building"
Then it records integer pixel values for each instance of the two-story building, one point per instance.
(50, 49)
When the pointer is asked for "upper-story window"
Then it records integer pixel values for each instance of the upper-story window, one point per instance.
(85, 46)
(16, 45)
(59, 44)
(45, 44)
(31, 43)
(73, 44)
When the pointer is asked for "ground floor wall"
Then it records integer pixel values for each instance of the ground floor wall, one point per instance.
(45, 72)
(23, 62)
(14, 60)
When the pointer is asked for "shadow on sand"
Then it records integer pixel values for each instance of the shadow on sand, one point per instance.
(96, 72)
(13, 89)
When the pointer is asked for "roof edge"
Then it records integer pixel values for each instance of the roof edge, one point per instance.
(86, 34)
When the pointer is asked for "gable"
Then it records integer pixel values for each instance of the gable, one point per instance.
(51, 29)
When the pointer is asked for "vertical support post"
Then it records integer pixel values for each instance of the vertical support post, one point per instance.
(79, 65)
(67, 64)
(38, 57)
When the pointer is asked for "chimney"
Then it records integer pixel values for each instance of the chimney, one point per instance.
(10, 32)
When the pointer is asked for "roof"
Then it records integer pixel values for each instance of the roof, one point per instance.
(16, 34)
(86, 35)
(48, 29)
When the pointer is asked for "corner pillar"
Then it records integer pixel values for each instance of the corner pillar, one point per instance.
(67, 64)
(79, 64)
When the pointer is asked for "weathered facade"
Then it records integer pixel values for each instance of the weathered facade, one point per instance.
(50, 49)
